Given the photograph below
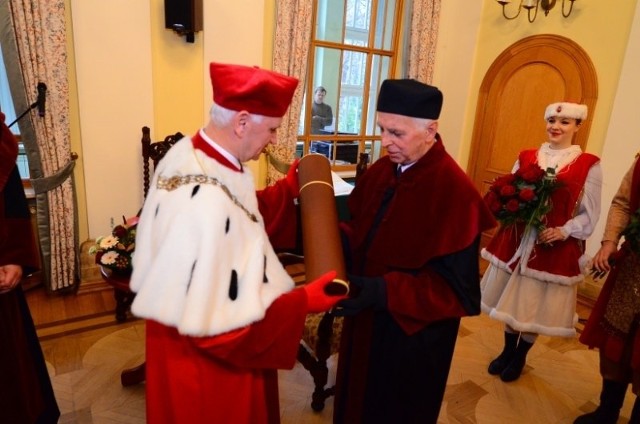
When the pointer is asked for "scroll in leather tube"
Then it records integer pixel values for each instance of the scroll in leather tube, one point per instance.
(319, 216)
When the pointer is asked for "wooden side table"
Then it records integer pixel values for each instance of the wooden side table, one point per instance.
(124, 296)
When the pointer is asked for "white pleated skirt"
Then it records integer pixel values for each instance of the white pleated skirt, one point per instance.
(529, 305)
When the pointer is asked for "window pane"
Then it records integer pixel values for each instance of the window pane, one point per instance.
(325, 90)
(380, 69)
(6, 102)
(384, 24)
(329, 20)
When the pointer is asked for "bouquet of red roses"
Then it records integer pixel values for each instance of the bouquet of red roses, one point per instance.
(522, 197)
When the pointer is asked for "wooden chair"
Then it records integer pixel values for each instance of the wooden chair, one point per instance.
(320, 337)
(152, 152)
(321, 334)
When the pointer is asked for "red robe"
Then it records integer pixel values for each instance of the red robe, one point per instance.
(393, 364)
(229, 378)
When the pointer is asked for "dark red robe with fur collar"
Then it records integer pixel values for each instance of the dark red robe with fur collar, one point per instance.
(393, 364)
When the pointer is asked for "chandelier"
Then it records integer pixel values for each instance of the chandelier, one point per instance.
(532, 8)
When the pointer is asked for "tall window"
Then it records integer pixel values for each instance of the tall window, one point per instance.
(6, 105)
(353, 49)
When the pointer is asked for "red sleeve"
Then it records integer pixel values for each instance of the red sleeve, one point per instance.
(270, 343)
(416, 301)
(278, 209)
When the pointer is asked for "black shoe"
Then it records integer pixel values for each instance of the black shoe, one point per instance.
(514, 369)
(498, 365)
(611, 399)
(502, 361)
(599, 416)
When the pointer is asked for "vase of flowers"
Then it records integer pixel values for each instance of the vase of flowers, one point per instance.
(523, 197)
(115, 251)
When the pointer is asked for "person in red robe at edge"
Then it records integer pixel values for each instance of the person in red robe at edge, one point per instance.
(222, 313)
(26, 395)
(613, 323)
(412, 248)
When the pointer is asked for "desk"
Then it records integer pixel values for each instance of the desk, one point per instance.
(124, 297)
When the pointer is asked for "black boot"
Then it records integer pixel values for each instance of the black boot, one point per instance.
(514, 369)
(611, 399)
(500, 363)
(635, 413)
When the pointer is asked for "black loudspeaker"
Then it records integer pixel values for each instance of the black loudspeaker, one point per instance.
(183, 16)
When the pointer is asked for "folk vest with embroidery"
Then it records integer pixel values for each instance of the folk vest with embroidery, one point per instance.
(559, 262)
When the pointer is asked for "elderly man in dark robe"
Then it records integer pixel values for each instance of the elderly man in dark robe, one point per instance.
(413, 243)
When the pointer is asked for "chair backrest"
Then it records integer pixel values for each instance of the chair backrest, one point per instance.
(152, 152)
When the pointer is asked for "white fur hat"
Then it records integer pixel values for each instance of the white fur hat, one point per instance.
(566, 110)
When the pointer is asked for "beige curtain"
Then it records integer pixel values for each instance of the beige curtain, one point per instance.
(290, 57)
(39, 27)
(425, 16)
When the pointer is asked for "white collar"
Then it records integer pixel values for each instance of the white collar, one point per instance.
(220, 150)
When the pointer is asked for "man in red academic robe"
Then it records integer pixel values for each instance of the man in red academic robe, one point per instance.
(26, 395)
(222, 314)
(413, 241)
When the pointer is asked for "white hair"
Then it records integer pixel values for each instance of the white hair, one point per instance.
(221, 116)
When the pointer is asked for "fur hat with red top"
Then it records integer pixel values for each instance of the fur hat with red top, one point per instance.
(566, 110)
(258, 91)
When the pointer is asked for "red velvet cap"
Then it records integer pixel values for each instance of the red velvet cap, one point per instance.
(259, 91)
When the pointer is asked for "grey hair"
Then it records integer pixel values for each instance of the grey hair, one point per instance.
(221, 116)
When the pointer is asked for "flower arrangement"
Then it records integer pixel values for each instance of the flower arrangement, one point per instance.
(522, 197)
(115, 250)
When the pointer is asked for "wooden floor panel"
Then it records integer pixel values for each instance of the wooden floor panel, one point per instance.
(86, 349)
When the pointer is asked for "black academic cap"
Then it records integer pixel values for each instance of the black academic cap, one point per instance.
(409, 97)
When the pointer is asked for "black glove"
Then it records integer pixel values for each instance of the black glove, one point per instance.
(372, 293)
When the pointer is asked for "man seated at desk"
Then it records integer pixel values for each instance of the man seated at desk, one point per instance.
(321, 113)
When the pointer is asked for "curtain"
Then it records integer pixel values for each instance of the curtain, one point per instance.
(290, 57)
(40, 33)
(422, 39)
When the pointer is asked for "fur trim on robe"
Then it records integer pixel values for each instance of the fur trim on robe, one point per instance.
(201, 264)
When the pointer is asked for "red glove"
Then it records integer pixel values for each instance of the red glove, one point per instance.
(317, 299)
(291, 180)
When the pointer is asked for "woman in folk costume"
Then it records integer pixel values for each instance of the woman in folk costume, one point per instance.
(613, 324)
(222, 314)
(531, 282)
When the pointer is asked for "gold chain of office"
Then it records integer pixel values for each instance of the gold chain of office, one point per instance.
(172, 183)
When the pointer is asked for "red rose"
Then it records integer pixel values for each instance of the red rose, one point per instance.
(531, 173)
(527, 194)
(513, 205)
(507, 191)
(119, 231)
(98, 256)
(495, 207)
(502, 181)
(489, 197)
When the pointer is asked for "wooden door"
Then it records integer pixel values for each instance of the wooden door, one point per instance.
(522, 81)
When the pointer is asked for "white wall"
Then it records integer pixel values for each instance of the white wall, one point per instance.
(622, 140)
(111, 114)
(233, 34)
(455, 55)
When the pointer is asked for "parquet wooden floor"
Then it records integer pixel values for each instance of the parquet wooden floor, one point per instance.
(86, 349)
